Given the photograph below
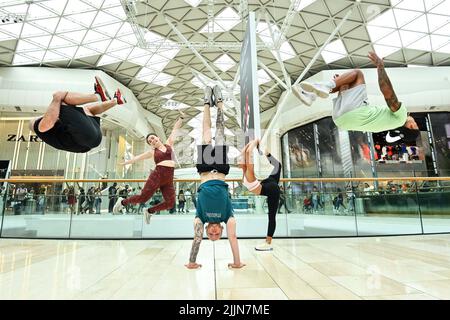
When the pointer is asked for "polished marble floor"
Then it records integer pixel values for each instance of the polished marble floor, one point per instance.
(406, 267)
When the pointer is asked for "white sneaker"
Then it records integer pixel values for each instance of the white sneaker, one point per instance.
(317, 88)
(306, 97)
(118, 206)
(264, 247)
(147, 216)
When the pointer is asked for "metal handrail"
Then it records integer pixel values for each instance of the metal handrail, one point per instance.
(49, 180)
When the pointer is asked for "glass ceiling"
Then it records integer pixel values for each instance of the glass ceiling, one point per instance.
(413, 24)
(62, 30)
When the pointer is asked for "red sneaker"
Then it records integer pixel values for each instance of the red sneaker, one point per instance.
(119, 97)
(100, 89)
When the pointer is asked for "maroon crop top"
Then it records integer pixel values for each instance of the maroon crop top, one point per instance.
(162, 156)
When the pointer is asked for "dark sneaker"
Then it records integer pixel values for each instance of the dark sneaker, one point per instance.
(119, 97)
(208, 97)
(100, 89)
(217, 94)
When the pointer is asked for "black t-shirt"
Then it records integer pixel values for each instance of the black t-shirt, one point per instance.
(74, 131)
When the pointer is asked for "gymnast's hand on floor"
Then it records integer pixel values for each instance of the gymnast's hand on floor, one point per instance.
(236, 266)
(193, 265)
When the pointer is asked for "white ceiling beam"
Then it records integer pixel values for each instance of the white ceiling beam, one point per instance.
(197, 54)
(331, 37)
(268, 91)
(273, 75)
(308, 67)
(287, 22)
(287, 79)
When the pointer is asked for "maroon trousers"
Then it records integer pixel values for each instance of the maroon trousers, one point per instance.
(161, 178)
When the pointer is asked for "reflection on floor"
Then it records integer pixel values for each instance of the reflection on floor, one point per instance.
(412, 267)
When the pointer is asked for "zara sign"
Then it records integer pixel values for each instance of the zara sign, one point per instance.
(31, 138)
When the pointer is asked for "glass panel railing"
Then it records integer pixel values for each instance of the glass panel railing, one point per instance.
(319, 208)
(34, 216)
(392, 208)
(434, 199)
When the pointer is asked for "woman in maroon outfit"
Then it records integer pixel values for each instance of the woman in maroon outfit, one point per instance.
(161, 178)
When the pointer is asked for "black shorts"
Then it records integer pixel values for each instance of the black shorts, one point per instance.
(211, 158)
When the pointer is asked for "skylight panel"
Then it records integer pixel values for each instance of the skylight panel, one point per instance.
(422, 44)
(30, 31)
(77, 6)
(37, 55)
(436, 21)
(224, 63)
(111, 3)
(168, 96)
(56, 6)
(430, 4)
(23, 46)
(377, 33)
(117, 12)
(75, 36)
(403, 17)
(38, 12)
(391, 40)
(386, 20)
(67, 25)
(107, 59)
(303, 4)
(53, 56)
(444, 49)
(444, 31)
(69, 51)
(12, 29)
(84, 52)
(93, 36)
(193, 3)
(21, 60)
(384, 51)
(417, 28)
(443, 8)
(224, 21)
(138, 52)
(263, 77)
(41, 41)
(142, 61)
(157, 62)
(420, 25)
(117, 45)
(47, 24)
(334, 51)
(227, 19)
(411, 5)
(286, 51)
(19, 9)
(169, 53)
(4, 36)
(438, 41)
(409, 37)
(99, 46)
(126, 29)
(162, 79)
(85, 19)
(104, 18)
(60, 42)
(95, 3)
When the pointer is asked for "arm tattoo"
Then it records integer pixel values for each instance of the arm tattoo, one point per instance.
(198, 229)
(220, 133)
(387, 90)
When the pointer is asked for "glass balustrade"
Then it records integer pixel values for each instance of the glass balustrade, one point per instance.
(308, 208)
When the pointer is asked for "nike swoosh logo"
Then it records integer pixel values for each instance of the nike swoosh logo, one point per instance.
(390, 139)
